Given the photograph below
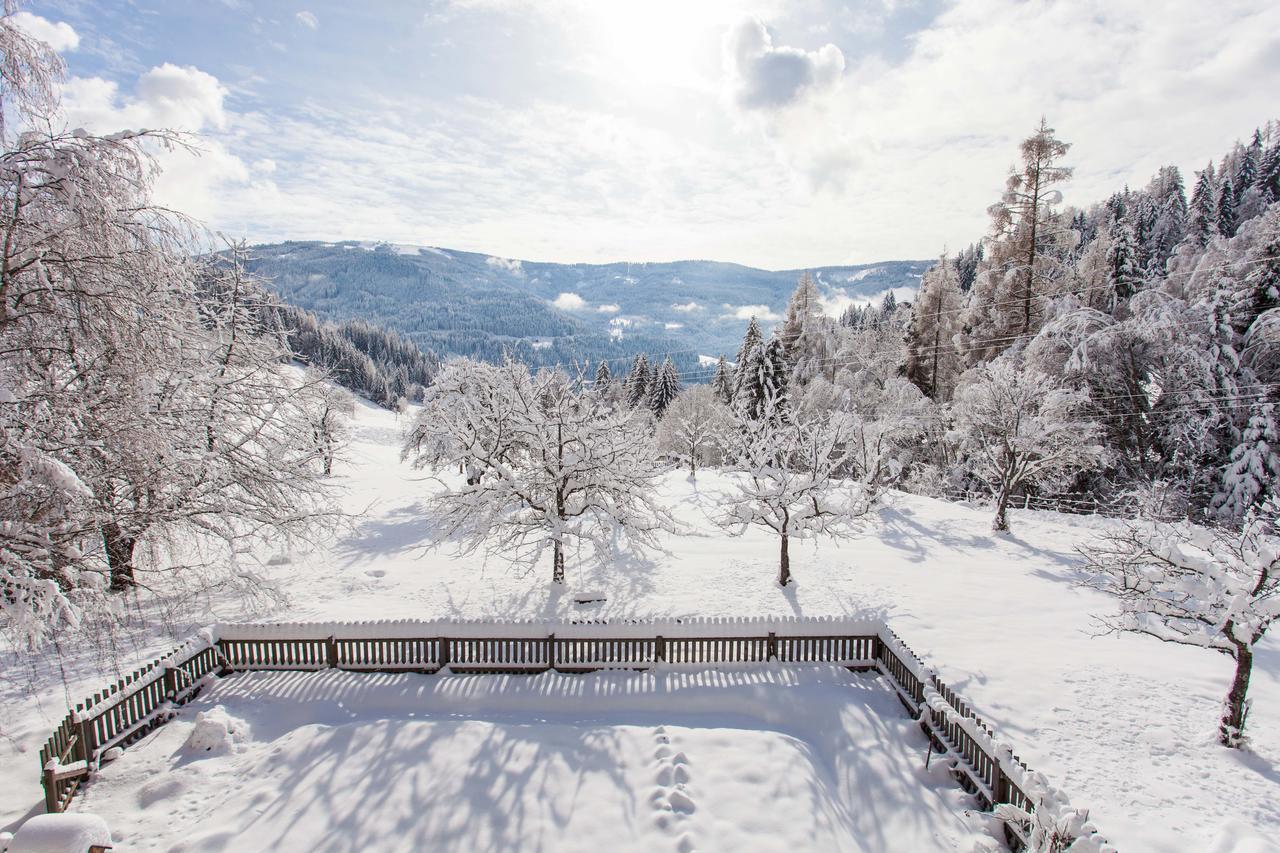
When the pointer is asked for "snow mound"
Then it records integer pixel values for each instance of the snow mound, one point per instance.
(61, 833)
(217, 732)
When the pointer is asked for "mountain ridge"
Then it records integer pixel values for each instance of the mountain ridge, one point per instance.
(468, 303)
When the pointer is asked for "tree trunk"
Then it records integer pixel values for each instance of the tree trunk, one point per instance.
(784, 566)
(1001, 523)
(1236, 710)
(119, 548)
(557, 562)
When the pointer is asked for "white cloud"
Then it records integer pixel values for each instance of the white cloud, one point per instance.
(760, 312)
(60, 36)
(687, 307)
(167, 96)
(764, 76)
(569, 302)
(670, 326)
(307, 19)
(515, 268)
(609, 308)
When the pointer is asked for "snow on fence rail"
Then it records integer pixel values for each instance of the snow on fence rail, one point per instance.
(148, 697)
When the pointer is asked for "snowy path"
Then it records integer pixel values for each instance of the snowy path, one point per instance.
(794, 759)
(1124, 724)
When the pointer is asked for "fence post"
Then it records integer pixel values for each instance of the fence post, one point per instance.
(170, 681)
(551, 651)
(444, 651)
(331, 652)
(1026, 501)
(660, 649)
(771, 652)
(997, 783)
(50, 782)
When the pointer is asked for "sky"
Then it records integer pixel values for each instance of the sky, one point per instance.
(776, 134)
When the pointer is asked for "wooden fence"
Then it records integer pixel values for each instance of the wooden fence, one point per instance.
(150, 696)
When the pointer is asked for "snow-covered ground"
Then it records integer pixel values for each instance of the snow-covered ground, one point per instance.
(1124, 724)
(788, 759)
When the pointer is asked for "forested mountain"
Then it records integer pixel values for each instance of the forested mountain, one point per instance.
(462, 303)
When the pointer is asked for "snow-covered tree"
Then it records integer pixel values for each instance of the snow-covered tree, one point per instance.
(722, 383)
(743, 372)
(1204, 207)
(1024, 219)
(1251, 477)
(330, 412)
(552, 464)
(1020, 428)
(1217, 590)
(604, 379)
(638, 382)
(786, 476)
(932, 360)
(695, 428)
(665, 387)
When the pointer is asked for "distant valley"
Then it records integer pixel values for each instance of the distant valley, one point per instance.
(464, 303)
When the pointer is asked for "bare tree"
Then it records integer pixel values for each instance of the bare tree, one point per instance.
(1215, 589)
(695, 427)
(551, 463)
(330, 414)
(1018, 428)
(788, 477)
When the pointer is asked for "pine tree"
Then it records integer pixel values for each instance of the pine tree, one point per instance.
(722, 384)
(1122, 263)
(638, 381)
(750, 341)
(603, 377)
(1252, 476)
(1269, 175)
(1226, 220)
(666, 386)
(1204, 207)
(767, 389)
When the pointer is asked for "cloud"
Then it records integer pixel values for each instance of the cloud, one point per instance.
(515, 268)
(308, 19)
(760, 312)
(609, 309)
(764, 76)
(569, 302)
(670, 326)
(60, 36)
(686, 307)
(167, 96)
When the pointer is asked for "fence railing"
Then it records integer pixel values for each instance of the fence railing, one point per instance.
(150, 696)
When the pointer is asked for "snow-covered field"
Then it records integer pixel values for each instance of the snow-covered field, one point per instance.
(1124, 724)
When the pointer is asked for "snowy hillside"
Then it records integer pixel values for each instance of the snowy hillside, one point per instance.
(1120, 722)
(464, 303)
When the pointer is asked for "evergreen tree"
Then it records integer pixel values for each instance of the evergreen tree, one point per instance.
(722, 384)
(1226, 220)
(888, 306)
(767, 391)
(638, 381)
(666, 386)
(604, 379)
(750, 341)
(1204, 207)
(1252, 476)
(1122, 264)
(1269, 175)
